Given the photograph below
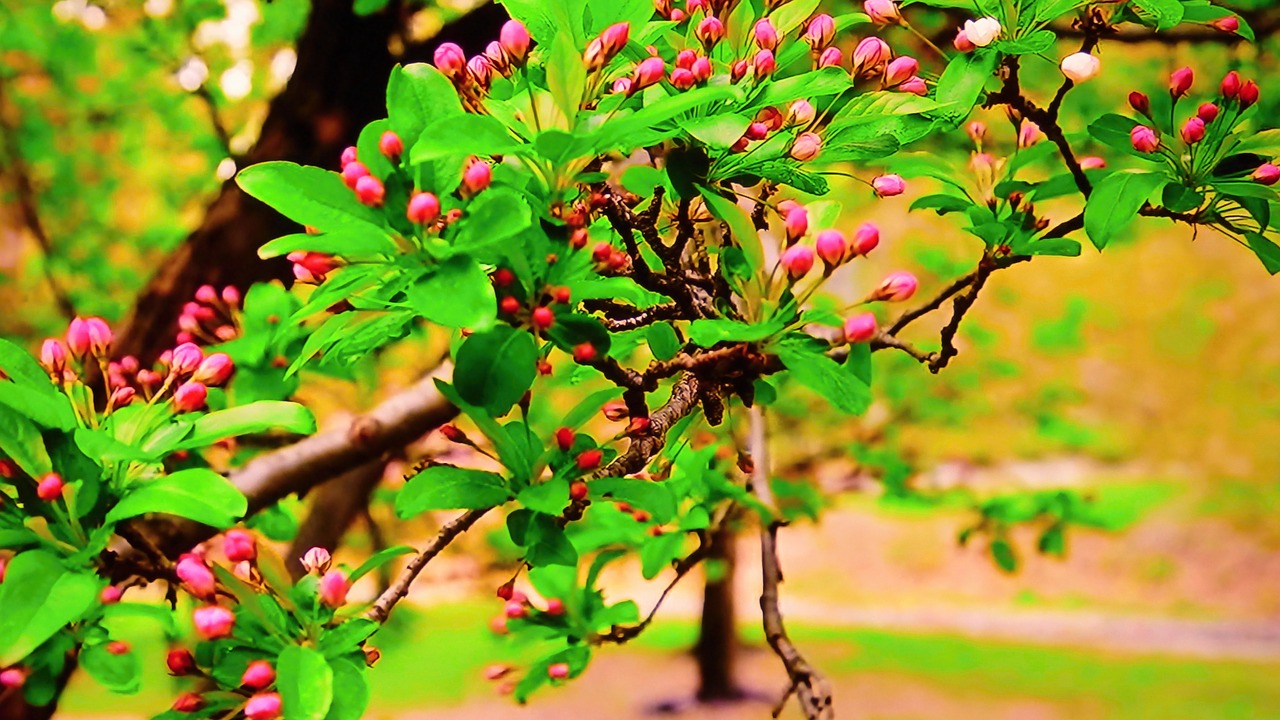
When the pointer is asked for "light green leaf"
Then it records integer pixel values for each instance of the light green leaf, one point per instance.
(466, 135)
(456, 294)
(418, 95)
(305, 682)
(121, 674)
(37, 599)
(445, 487)
(197, 494)
(249, 419)
(20, 439)
(309, 196)
(740, 227)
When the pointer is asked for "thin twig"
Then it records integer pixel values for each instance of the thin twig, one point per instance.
(381, 608)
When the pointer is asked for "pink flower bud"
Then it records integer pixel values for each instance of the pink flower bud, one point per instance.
(451, 60)
(214, 370)
(239, 546)
(962, 43)
(683, 79)
(180, 662)
(622, 86)
(391, 146)
(594, 56)
(118, 647)
(476, 177)
(348, 156)
(1231, 85)
(685, 58)
(555, 606)
(1140, 102)
(860, 328)
(424, 207)
(333, 589)
(78, 338)
(190, 396)
(983, 31)
(648, 72)
(53, 357)
(914, 85)
(871, 55)
(149, 379)
(888, 185)
(50, 487)
(1228, 24)
(186, 358)
(701, 69)
(709, 32)
(756, 131)
(899, 70)
(4, 562)
(738, 70)
(122, 396)
(258, 675)
(206, 294)
(896, 287)
(513, 38)
(481, 70)
(188, 703)
(231, 296)
(370, 191)
(820, 31)
(110, 595)
(1180, 82)
(1028, 134)
(213, 621)
(797, 260)
(99, 334)
(800, 112)
(831, 57)
(13, 677)
(797, 223)
(197, 576)
(226, 333)
(515, 609)
(316, 560)
(352, 172)
(882, 12)
(1249, 94)
(1208, 112)
(806, 147)
(1193, 131)
(1144, 139)
(832, 247)
(615, 37)
(764, 64)
(1266, 174)
(558, 671)
(1092, 162)
(263, 706)
(766, 36)
(677, 15)
(1079, 67)
(865, 238)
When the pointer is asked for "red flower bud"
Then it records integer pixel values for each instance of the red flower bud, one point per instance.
(239, 546)
(555, 606)
(1231, 85)
(188, 703)
(258, 675)
(370, 191)
(578, 491)
(709, 32)
(1207, 112)
(797, 223)
(391, 146)
(214, 370)
(797, 260)
(50, 487)
(1193, 131)
(110, 595)
(424, 207)
(764, 64)
(118, 647)
(509, 305)
(865, 239)
(476, 177)
(1144, 139)
(190, 396)
(503, 277)
(513, 38)
(1180, 81)
(1249, 94)
(860, 328)
(1140, 102)
(333, 589)
(451, 60)
(584, 352)
(348, 156)
(899, 70)
(1266, 174)
(352, 172)
(648, 72)
(263, 706)
(542, 317)
(832, 247)
(590, 459)
(180, 662)
(558, 671)
(564, 438)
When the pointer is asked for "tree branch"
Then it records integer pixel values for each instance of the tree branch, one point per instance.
(400, 588)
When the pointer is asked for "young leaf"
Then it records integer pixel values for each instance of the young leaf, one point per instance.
(249, 419)
(418, 95)
(839, 384)
(305, 682)
(444, 487)
(309, 196)
(740, 228)
(1115, 203)
(197, 494)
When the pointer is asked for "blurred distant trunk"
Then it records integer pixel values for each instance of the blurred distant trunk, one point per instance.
(338, 86)
(717, 638)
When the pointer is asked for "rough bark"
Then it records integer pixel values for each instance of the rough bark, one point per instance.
(717, 645)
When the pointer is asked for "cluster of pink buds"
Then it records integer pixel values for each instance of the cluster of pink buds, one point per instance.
(830, 246)
(1236, 96)
(601, 50)
(690, 70)
(369, 190)
(210, 318)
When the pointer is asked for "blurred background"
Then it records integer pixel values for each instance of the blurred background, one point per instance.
(1143, 384)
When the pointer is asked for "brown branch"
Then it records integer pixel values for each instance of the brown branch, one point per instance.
(381, 608)
(623, 633)
(685, 396)
(884, 340)
(812, 689)
(29, 208)
(215, 118)
(959, 307)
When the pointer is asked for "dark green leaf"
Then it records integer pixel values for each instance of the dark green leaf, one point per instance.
(457, 294)
(493, 369)
(118, 673)
(444, 487)
(1115, 203)
(1267, 251)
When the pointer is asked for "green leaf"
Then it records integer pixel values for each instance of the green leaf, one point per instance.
(740, 227)
(548, 544)
(349, 243)
(24, 370)
(347, 637)
(197, 494)
(466, 135)
(353, 700)
(1113, 131)
(456, 294)
(566, 76)
(37, 599)
(816, 83)
(118, 673)
(249, 419)
(1267, 251)
(305, 682)
(549, 497)
(839, 384)
(494, 368)
(652, 124)
(309, 196)
(418, 95)
(655, 497)
(1115, 203)
(663, 341)
(493, 218)
(20, 439)
(657, 553)
(710, 331)
(445, 487)
(792, 15)
(571, 330)
(718, 131)
(1161, 14)
(1003, 555)
(102, 445)
(1031, 44)
(965, 77)
(378, 559)
(368, 7)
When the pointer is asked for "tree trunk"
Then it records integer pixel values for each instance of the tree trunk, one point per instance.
(717, 639)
